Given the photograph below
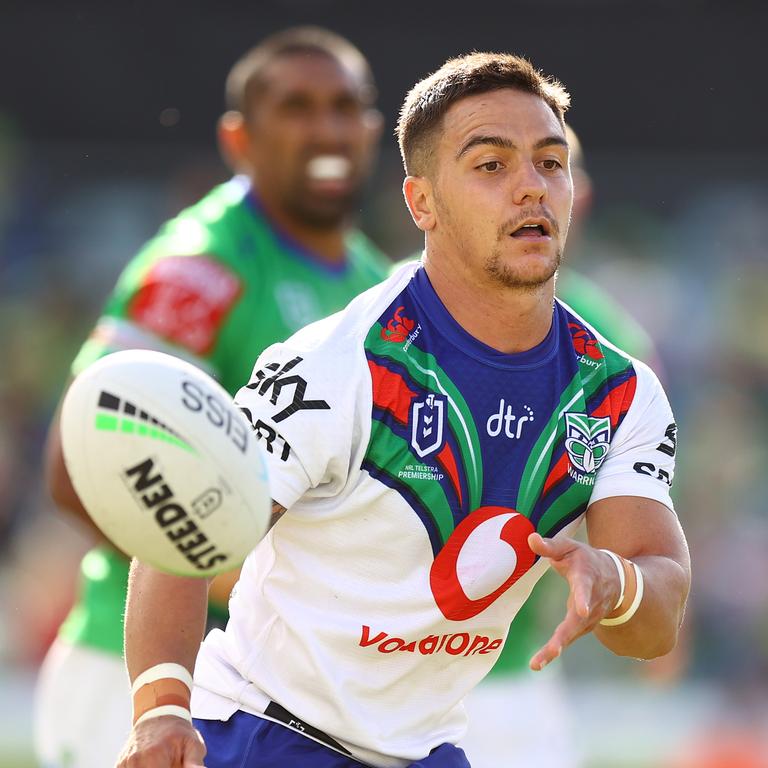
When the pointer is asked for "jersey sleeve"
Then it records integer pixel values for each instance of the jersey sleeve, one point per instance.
(303, 402)
(641, 459)
(170, 303)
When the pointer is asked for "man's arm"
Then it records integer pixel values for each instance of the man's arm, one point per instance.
(638, 529)
(57, 478)
(165, 622)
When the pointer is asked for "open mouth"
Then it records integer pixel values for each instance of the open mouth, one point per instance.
(329, 168)
(532, 229)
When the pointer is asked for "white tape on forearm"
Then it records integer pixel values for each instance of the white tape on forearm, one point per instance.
(632, 610)
(161, 671)
(622, 579)
(168, 709)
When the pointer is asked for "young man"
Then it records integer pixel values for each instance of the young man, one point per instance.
(504, 711)
(461, 441)
(251, 263)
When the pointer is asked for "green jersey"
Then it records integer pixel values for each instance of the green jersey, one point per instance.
(217, 285)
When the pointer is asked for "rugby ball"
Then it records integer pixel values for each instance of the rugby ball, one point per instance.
(165, 463)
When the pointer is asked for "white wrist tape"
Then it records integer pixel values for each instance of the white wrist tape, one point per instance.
(160, 671)
(168, 709)
(632, 610)
(622, 579)
(165, 698)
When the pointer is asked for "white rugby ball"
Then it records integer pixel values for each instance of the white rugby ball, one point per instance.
(165, 463)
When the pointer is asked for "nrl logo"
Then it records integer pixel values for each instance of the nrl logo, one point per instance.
(427, 419)
(587, 440)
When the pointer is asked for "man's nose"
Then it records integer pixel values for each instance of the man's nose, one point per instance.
(329, 127)
(530, 186)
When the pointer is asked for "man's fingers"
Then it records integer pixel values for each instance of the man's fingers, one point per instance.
(572, 627)
(556, 550)
(552, 548)
(581, 590)
(195, 752)
(545, 655)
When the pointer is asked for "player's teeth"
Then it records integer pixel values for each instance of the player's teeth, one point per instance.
(328, 167)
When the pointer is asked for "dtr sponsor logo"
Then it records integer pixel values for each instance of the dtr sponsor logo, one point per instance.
(508, 423)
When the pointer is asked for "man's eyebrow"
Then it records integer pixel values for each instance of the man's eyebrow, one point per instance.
(549, 141)
(505, 143)
(494, 141)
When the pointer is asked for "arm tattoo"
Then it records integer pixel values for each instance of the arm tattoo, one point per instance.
(278, 510)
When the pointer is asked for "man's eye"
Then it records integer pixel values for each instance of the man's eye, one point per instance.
(491, 166)
(295, 106)
(551, 165)
(348, 106)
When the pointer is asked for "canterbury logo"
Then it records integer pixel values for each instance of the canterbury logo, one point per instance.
(398, 327)
(585, 343)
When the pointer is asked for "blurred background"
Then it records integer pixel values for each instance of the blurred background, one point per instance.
(107, 115)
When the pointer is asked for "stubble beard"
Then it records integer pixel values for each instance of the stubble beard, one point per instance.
(322, 216)
(512, 276)
(500, 273)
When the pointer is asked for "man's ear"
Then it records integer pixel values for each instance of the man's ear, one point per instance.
(234, 142)
(420, 200)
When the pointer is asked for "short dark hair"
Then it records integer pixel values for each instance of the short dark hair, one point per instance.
(428, 101)
(246, 78)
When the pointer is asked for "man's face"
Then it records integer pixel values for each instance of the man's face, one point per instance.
(311, 138)
(502, 188)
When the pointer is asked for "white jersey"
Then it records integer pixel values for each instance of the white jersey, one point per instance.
(414, 461)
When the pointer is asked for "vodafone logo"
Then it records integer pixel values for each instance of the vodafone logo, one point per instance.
(486, 554)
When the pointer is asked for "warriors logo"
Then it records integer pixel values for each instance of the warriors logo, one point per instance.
(587, 440)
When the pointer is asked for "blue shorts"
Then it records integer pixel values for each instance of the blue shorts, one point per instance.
(247, 741)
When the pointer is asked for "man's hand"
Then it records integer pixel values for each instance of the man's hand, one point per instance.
(163, 742)
(594, 590)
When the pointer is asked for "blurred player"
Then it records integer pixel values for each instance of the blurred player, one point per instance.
(504, 711)
(457, 440)
(255, 260)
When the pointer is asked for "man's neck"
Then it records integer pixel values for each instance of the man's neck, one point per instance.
(327, 244)
(506, 319)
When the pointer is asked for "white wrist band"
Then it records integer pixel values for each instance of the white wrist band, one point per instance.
(632, 610)
(160, 671)
(168, 709)
(622, 579)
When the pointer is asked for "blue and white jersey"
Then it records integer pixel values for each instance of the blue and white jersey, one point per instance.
(414, 461)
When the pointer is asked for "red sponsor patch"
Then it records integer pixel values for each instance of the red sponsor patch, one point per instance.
(185, 299)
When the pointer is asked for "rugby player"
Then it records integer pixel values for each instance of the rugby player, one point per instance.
(248, 265)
